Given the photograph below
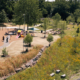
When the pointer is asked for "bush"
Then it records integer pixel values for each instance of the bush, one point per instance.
(4, 52)
(50, 38)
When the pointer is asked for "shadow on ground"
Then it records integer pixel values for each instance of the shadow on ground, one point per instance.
(2, 25)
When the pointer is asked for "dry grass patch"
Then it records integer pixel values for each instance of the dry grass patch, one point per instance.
(16, 61)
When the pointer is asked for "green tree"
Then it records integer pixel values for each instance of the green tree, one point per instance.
(70, 19)
(3, 17)
(77, 31)
(4, 52)
(28, 39)
(78, 20)
(57, 17)
(50, 38)
(76, 14)
(45, 25)
(31, 10)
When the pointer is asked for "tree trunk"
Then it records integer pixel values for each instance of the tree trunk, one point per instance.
(49, 44)
(29, 44)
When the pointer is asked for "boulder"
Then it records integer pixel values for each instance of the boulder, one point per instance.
(63, 76)
(23, 66)
(52, 74)
(28, 64)
(34, 63)
(57, 71)
(18, 69)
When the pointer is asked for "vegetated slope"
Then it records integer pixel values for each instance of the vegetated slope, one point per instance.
(65, 57)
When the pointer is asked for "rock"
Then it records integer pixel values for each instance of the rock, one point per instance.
(23, 66)
(28, 64)
(34, 63)
(35, 59)
(18, 69)
(78, 79)
(39, 54)
(52, 74)
(57, 71)
(63, 76)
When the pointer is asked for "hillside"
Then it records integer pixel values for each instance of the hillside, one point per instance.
(63, 55)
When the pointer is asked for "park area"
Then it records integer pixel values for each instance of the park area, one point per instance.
(39, 40)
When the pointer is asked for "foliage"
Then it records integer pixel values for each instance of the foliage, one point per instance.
(76, 14)
(77, 30)
(49, 38)
(45, 25)
(78, 20)
(3, 17)
(57, 17)
(70, 19)
(4, 52)
(28, 7)
(28, 38)
(8, 66)
(52, 59)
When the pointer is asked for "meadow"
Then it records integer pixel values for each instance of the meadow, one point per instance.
(63, 55)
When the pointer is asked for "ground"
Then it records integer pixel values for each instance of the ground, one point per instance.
(16, 45)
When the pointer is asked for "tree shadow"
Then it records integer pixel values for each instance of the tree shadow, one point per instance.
(2, 25)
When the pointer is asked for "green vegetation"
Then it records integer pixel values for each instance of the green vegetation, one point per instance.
(55, 57)
(4, 52)
(28, 39)
(45, 25)
(50, 38)
(8, 66)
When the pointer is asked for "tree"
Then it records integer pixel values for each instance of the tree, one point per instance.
(3, 17)
(77, 31)
(50, 38)
(70, 19)
(28, 39)
(57, 17)
(78, 20)
(8, 6)
(76, 14)
(45, 25)
(31, 10)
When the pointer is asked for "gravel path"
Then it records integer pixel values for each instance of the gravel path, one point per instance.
(5, 43)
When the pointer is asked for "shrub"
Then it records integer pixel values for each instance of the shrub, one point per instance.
(4, 52)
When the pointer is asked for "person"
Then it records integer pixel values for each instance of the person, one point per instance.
(3, 38)
(6, 39)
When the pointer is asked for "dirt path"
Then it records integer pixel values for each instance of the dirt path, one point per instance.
(75, 77)
(16, 47)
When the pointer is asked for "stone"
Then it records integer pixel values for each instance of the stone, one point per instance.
(52, 74)
(63, 76)
(23, 66)
(34, 63)
(28, 64)
(78, 79)
(57, 71)
(18, 69)
(35, 59)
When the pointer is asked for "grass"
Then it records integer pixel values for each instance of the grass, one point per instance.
(55, 57)
(10, 64)
(72, 31)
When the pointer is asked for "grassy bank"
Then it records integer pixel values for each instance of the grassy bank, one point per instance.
(10, 64)
(65, 57)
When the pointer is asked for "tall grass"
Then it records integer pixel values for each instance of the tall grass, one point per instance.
(10, 64)
(55, 57)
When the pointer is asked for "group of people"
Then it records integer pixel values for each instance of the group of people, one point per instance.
(4, 39)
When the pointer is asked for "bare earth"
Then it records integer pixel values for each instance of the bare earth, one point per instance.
(16, 46)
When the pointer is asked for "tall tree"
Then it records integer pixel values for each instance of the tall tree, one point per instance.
(45, 25)
(31, 10)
